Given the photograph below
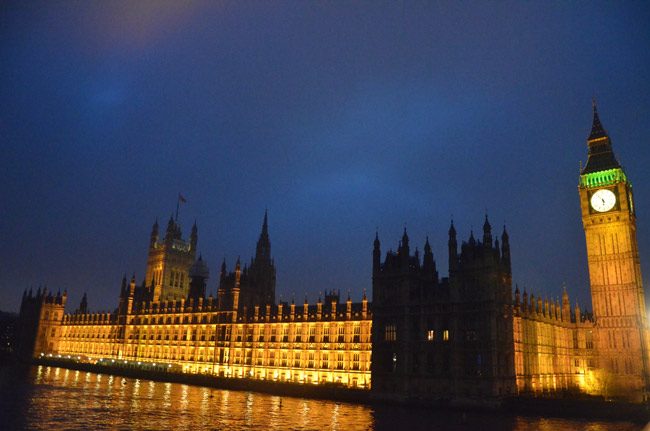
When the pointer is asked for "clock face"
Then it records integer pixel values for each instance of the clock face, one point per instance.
(603, 200)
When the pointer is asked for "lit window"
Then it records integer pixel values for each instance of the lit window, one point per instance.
(431, 335)
(391, 333)
(445, 335)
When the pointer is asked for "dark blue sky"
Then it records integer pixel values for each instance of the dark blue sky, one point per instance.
(338, 117)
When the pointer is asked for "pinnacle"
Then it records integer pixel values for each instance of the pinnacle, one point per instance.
(597, 129)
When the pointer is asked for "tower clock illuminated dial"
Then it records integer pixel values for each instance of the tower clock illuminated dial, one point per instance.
(603, 200)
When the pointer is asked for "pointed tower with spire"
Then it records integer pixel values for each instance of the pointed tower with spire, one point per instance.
(505, 250)
(261, 273)
(376, 255)
(253, 285)
(263, 249)
(428, 262)
(154, 234)
(452, 245)
(617, 295)
(199, 274)
(601, 155)
(487, 233)
(83, 305)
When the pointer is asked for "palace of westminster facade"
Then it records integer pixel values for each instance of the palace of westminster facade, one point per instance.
(424, 337)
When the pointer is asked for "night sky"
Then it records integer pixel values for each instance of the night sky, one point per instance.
(339, 117)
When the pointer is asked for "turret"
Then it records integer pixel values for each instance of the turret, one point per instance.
(566, 306)
(404, 251)
(472, 240)
(453, 249)
(546, 307)
(223, 273)
(263, 250)
(199, 274)
(487, 233)
(505, 249)
(364, 305)
(533, 304)
(428, 263)
(124, 292)
(154, 234)
(131, 295)
(517, 298)
(170, 234)
(83, 305)
(348, 307)
(525, 300)
(376, 255)
(236, 289)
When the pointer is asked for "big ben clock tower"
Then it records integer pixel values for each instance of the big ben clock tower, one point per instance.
(617, 294)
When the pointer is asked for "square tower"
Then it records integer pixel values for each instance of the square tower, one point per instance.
(617, 293)
(169, 262)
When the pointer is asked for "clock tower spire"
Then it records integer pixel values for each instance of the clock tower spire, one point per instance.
(617, 294)
(601, 156)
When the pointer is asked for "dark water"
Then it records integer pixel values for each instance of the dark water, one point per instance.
(48, 398)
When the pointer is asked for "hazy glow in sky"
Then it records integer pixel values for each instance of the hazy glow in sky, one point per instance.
(339, 118)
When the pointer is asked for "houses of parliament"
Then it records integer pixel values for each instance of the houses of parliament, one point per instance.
(464, 336)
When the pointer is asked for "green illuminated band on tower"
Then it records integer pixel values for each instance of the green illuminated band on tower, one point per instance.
(603, 178)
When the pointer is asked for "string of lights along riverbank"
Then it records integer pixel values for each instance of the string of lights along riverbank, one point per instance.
(463, 336)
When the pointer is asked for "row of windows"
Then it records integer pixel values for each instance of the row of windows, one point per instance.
(390, 334)
(85, 335)
(214, 318)
(210, 336)
(323, 360)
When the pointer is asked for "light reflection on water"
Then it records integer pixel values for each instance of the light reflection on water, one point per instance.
(50, 398)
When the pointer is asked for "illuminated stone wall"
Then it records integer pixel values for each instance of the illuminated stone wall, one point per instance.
(554, 349)
(39, 322)
(306, 344)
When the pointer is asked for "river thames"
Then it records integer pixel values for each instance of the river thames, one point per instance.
(50, 398)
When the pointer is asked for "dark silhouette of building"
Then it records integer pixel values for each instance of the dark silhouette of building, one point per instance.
(252, 285)
(443, 338)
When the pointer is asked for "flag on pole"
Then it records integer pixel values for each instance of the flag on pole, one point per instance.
(180, 199)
